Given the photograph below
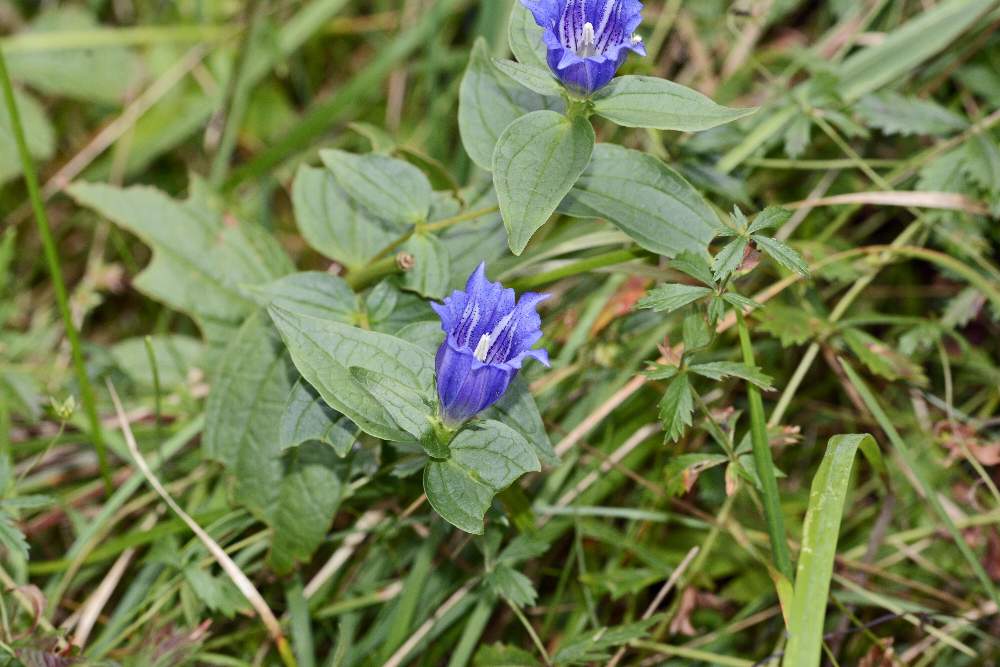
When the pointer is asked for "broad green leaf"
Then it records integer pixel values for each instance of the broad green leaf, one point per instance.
(729, 258)
(431, 272)
(389, 189)
(11, 537)
(672, 296)
(310, 493)
(307, 417)
(243, 414)
(525, 37)
(517, 409)
(646, 101)
(694, 264)
(534, 78)
(176, 356)
(676, 407)
(781, 253)
(243, 432)
(102, 74)
(869, 69)
(503, 655)
(324, 352)
(200, 264)
(644, 198)
(38, 134)
(410, 410)
(485, 458)
(425, 334)
(310, 293)
(716, 370)
(770, 217)
(537, 160)
(489, 101)
(819, 547)
(391, 309)
(896, 114)
(332, 223)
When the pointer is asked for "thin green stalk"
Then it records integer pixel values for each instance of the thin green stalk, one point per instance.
(583, 266)
(369, 275)
(55, 270)
(437, 225)
(151, 355)
(763, 462)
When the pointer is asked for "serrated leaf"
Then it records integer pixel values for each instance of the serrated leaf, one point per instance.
(536, 161)
(332, 223)
(792, 326)
(502, 655)
(770, 217)
(217, 593)
(11, 537)
(312, 293)
(694, 264)
(485, 458)
(645, 198)
(389, 189)
(982, 162)
(893, 113)
(646, 101)
(533, 78)
(431, 270)
(513, 585)
(676, 407)
(324, 352)
(695, 332)
(740, 301)
(781, 253)
(595, 644)
(307, 417)
(717, 370)
(797, 136)
(525, 37)
(881, 359)
(200, 264)
(729, 258)
(489, 101)
(672, 296)
(657, 371)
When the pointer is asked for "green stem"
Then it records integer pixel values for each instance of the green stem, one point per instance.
(763, 462)
(55, 270)
(583, 266)
(371, 274)
(437, 225)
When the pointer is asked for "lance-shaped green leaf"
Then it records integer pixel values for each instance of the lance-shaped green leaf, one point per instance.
(781, 253)
(676, 407)
(729, 258)
(517, 409)
(484, 459)
(694, 264)
(537, 160)
(332, 223)
(646, 101)
(324, 353)
(431, 270)
(644, 198)
(525, 37)
(389, 189)
(670, 297)
(489, 101)
(534, 78)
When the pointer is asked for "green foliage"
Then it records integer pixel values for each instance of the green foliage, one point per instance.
(644, 101)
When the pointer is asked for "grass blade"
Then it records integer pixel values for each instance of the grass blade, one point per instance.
(819, 547)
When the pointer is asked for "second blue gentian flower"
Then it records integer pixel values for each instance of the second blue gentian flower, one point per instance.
(488, 335)
(588, 40)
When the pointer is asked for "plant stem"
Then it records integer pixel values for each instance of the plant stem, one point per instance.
(369, 275)
(763, 463)
(433, 227)
(583, 266)
(55, 270)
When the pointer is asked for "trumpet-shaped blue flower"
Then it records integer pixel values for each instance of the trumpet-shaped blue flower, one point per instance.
(588, 40)
(488, 335)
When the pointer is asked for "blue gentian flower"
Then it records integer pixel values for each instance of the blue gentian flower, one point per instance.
(487, 337)
(588, 40)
